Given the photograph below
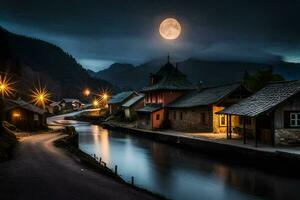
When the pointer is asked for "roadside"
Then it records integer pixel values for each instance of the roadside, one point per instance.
(8, 141)
(39, 170)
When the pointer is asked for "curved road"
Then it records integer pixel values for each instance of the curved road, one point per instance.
(41, 171)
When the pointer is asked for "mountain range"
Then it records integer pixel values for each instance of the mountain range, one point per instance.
(127, 76)
(32, 61)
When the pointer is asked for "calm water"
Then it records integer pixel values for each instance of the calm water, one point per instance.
(181, 174)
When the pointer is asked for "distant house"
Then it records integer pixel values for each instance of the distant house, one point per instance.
(132, 105)
(24, 115)
(115, 103)
(165, 86)
(195, 112)
(70, 104)
(54, 108)
(271, 115)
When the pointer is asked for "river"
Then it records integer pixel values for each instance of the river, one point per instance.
(181, 174)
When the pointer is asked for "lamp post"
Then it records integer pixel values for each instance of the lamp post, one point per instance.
(5, 90)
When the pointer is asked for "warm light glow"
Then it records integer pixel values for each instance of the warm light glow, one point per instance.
(6, 86)
(16, 114)
(105, 96)
(40, 96)
(95, 103)
(170, 29)
(87, 92)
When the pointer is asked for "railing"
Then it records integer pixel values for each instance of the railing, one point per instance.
(103, 164)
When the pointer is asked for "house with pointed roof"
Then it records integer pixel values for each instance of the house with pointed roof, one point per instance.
(271, 115)
(132, 105)
(195, 111)
(165, 86)
(24, 115)
(115, 102)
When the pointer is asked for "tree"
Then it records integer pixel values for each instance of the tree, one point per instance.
(259, 79)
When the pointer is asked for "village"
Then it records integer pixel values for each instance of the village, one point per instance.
(231, 114)
(226, 119)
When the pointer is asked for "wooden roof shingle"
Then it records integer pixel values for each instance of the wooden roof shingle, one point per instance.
(264, 100)
(169, 78)
(120, 97)
(206, 96)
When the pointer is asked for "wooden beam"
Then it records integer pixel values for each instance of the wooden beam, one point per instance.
(272, 130)
(230, 127)
(227, 124)
(244, 129)
(256, 133)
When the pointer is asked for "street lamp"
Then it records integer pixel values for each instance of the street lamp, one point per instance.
(6, 86)
(95, 103)
(86, 92)
(40, 96)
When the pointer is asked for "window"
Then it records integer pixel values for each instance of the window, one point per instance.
(180, 115)
(223, 121)
(157, 116)
(295, 119)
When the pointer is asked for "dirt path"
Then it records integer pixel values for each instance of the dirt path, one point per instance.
(41, 171)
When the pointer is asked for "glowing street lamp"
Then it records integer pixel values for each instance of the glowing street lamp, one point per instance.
(40, 96)
(105, 96)
(6, 86)
(95, 103)
(86, 92)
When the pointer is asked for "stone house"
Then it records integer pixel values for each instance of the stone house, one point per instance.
(165, 86)
(195, 111)
(132, 105)
(115, 102)
(24, 115)
(272, 115)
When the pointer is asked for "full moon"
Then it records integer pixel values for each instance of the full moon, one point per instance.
(170, 29)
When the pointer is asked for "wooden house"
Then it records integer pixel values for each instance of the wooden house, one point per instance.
(195, 111)
(115, 102)
(132, 105)
(165, 86)
(24, 115)
(54, 107)
(272, 115)
(70, 104)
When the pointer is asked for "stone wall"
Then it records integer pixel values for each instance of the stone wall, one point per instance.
(191, 119)
(287, 136)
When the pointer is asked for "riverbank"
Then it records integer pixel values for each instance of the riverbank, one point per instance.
(70, 144)
(281, 160)
(39, 170)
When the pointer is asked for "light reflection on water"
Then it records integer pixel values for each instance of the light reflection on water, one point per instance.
(181, 174)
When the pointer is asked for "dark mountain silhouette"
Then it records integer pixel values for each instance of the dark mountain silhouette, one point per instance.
(32, 60)
(209, 72)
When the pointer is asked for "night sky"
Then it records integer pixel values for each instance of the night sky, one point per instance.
(98, 33)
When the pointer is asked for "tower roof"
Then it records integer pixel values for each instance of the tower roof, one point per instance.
(168, 77)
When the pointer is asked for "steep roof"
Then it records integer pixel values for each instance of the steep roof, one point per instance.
(120, 97)
(265, 99)
(206, 96)
(133, 101)
(150, 108)
(10, 104)
(169, 78)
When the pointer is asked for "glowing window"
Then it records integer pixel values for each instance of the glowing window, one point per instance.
(222, 120)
